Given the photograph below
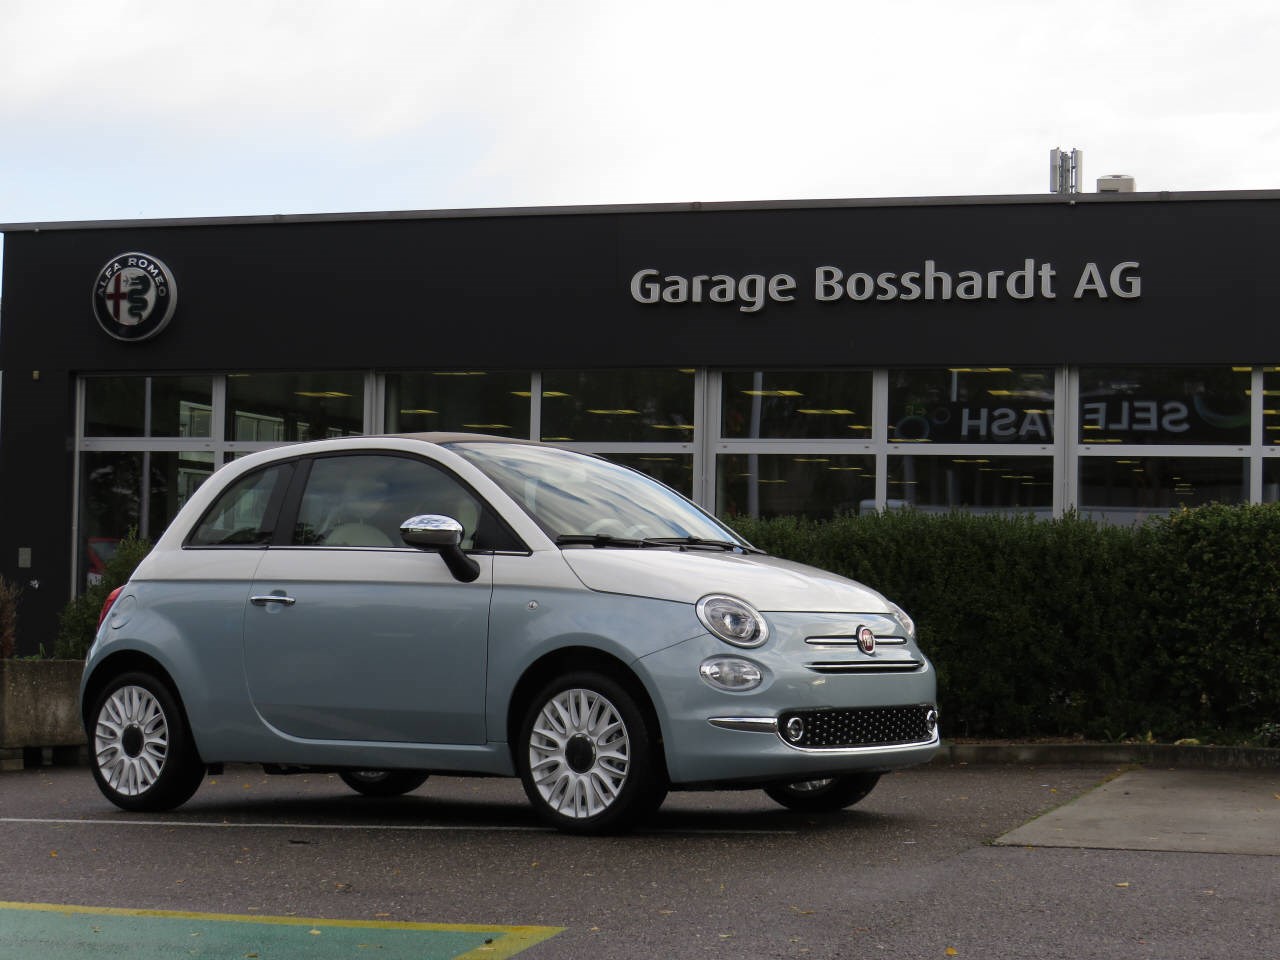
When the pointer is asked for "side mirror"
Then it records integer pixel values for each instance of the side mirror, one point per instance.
(431, 531)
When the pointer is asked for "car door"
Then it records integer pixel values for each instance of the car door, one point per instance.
(352, 636)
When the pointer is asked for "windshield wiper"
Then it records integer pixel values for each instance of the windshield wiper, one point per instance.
(597, 540)
(699, 542)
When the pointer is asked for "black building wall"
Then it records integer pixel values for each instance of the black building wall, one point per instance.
(552, 289)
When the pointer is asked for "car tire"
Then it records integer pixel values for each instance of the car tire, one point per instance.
(586, 755)
(823, 796)
(144, 758)
(383, 783)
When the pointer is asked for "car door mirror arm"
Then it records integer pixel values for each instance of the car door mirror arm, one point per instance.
(442, 535)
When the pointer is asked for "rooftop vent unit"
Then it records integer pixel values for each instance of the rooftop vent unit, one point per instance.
(1116, 183)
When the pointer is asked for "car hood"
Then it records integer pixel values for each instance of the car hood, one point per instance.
(686, 576)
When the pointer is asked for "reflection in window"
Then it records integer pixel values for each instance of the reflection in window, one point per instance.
(239, 516)
(285, 407)
(1271, 405)
(118, 406)
(979, 484)
(114, 486)
(1164, 404)
(1270, 480)
(673, 469)
(797, 404)
(810, 485)
(1130, 489)
(971, 405)
(461, 401)
(617, 405)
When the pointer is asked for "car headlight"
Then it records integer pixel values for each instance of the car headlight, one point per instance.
(732, 674)
(733, 620)
(904, 620)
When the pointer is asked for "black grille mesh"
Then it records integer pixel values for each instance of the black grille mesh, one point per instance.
(866, 727)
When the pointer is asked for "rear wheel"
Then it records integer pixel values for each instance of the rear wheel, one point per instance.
(143, 754)
(383, 783)
(586, 756)
(823, 796)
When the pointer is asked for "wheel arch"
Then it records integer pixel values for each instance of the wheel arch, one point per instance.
(573, 659)
(125, 661)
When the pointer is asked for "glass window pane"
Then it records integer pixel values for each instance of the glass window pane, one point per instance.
(971, 405)
(816, 485)
(1271, 406)
(804, 404)
(979, 484)
(239, 516)
(113, 486)
(285, 407)
(617, 405)
(1270, 480)
(181, 406)
(1129, 489)
(362, 500)
(115, 406)
(1164, 404)
(468, 401)
(673, 469)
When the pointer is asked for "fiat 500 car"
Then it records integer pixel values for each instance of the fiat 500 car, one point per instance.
(390, 607)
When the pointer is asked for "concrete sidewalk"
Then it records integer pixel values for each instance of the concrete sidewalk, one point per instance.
(1162, 809)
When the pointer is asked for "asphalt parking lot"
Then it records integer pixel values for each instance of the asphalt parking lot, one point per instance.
(946, 860)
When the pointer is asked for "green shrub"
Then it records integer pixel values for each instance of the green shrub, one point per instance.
(1067, 627)
(78, 621)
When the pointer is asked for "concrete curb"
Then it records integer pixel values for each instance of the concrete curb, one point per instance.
(1158, 754)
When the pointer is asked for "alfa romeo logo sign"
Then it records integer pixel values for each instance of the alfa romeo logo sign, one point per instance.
(134, 296)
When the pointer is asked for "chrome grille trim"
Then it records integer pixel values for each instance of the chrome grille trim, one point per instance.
(868, 665)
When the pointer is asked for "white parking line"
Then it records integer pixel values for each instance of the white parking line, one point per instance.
(419, 827)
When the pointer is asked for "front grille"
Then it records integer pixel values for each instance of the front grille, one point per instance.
(865, 727)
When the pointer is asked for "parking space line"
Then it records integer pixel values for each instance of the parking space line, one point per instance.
(66, 931)
(409, 827)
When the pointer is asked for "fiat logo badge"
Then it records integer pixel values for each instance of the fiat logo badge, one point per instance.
(866, 640)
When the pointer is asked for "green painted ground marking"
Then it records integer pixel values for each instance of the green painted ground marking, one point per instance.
(58, 932)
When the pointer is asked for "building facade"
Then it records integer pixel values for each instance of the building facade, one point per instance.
(1112, 354)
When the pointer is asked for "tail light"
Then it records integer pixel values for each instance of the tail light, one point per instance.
(109, 603)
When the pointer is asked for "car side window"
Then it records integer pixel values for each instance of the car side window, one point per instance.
(245, 513)
(361, 501)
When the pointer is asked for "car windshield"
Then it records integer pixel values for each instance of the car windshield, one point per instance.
(582, 499)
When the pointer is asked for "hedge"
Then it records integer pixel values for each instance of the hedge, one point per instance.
(1070, 628)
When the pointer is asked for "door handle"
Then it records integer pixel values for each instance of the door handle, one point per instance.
(263, 599)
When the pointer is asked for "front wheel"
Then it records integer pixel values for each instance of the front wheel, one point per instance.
(383, 783)
(823, 796)
(143, 756)
(586, 756)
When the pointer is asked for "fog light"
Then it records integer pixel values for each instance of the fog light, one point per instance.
(731, 673)
(794, 730)
(931, 722)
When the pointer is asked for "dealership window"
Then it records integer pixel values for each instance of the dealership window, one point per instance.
(971, 405)
(1271, 406)
(818, 485)
(465, 401)
(1129, 489)
(133, 406)
(977, 483)
(1165, 405)
(287, 407)
(140, 491)
(615, 406)
(791, 404)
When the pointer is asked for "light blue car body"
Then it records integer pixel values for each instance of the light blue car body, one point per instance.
(383, 659)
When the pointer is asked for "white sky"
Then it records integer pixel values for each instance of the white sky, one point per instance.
(117, 109)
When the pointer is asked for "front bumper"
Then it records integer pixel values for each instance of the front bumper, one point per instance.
(849, 722)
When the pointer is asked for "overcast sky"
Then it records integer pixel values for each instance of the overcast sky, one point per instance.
(116, 109)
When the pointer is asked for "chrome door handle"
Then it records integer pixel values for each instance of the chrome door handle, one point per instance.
(263, 599)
